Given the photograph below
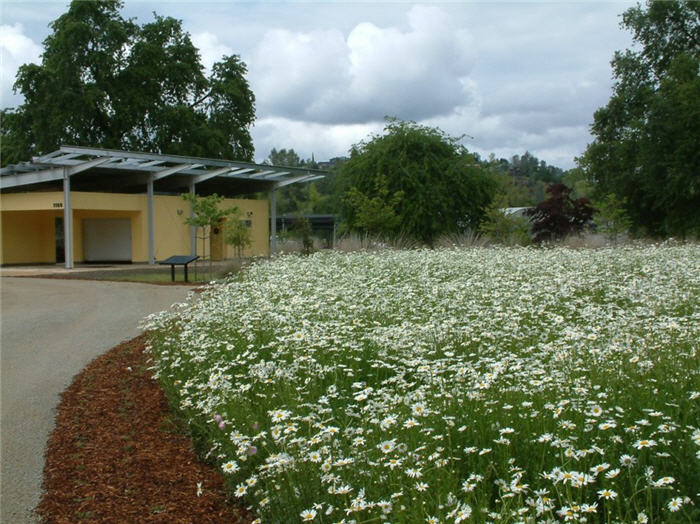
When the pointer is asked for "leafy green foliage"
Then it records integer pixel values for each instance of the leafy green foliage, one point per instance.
(510, 190)
(559, 215)
(522, 180)
(443, 188)
(646, 137)
(506, 228)
(105, 81)
(284, 157)
(611, 218)
(375, 214)
(301, 229)
(206, 215)
(319, 196)
(534, 169)
(206, 211)
(237, 232)
(577, 180)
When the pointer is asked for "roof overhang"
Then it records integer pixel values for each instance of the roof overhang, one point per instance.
(95, 169)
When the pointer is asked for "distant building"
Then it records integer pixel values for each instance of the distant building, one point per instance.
(330, 164)
(515, 211)
(323, 227)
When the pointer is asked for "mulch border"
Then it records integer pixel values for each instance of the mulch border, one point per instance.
(119, 454)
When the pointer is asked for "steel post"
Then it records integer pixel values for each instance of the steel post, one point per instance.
(67, 221)
(151, 222)
(273, 221)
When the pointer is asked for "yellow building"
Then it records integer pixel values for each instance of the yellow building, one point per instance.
(82, 204)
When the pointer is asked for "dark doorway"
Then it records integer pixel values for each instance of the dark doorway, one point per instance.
(60, 246)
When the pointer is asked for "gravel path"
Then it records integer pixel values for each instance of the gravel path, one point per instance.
(50, 330)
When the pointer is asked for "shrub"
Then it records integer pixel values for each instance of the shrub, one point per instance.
(559, 215)
(506, 228)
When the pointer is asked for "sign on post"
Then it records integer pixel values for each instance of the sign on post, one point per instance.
(178, 260)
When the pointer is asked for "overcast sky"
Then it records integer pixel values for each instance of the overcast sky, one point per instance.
(513, 76)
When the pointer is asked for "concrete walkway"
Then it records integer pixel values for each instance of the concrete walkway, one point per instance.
(50, 330)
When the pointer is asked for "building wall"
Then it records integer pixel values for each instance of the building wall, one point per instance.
(39, 201)
(28, 230)
(258, 212)
(28, 236)
(173, 238)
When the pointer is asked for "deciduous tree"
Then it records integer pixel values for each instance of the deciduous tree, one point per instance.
(207, 214)
(559, 215)
(443, 188)
(106, 81)
(237, 232)
(646, 138)
(611, 218)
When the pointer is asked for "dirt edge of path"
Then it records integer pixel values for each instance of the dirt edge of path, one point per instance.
(118, 454)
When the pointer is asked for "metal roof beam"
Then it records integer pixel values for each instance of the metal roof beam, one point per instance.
(26, 179)
(87, 165)
(240, 172)
(211, 174)
(69, 156)
(262, 173)
(303, 178)
(151, 163)
(172, 170)
(176, 158)
(48, 175)
(275, 174)
(48, 156)
(153, 166)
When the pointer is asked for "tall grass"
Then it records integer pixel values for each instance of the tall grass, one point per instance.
(482, 385)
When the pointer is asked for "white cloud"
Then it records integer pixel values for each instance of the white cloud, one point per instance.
(325, 77)
(211, 49)
(290, 72)
(324, 141)
(15, 49)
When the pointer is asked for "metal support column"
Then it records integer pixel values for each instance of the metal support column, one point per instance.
(151, 222)
(273, 221)
(67, 221)
(193, 229)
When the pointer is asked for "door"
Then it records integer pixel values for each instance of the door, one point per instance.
(60, 247)
(107, 239)
(216, 241)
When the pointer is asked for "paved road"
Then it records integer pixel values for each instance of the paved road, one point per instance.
(50, 330)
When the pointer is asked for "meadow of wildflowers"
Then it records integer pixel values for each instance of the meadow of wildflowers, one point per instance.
(479, 385)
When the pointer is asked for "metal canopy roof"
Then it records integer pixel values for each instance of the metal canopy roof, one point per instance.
(95, 169)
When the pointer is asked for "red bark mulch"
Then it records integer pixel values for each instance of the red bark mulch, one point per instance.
(118, 454)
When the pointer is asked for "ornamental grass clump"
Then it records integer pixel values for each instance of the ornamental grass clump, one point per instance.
(483, 385)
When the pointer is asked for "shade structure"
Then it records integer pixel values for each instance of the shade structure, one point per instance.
(129, 171)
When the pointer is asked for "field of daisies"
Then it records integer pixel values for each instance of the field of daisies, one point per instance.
(458, 385)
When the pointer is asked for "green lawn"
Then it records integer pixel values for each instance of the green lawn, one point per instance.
(161, 274)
